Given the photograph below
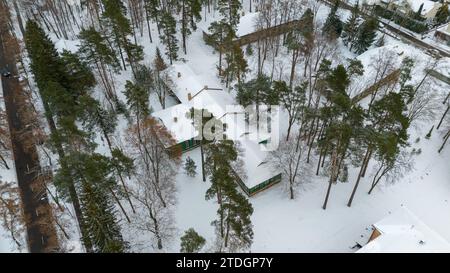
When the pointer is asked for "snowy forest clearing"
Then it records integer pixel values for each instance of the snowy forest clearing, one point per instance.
(279, 224)
(301, 225)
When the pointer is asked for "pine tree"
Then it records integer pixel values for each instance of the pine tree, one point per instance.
(168, 35)
(385, 130)
(137, 101)
(300, 41)
(249, 50)
(221, 37)
(293, 100)
(391, 128)
(143, 78)
(332, 27)
(191, 242)
(257, 92)
(114, 18)
(343, 119)
(190, 167)
(350, 29)
(160, 66)
(229, 9)
(366, 35)
(428, 135)
(234, 227)
(418, 14)
(153, 9)
(96, 51)
(201, 117)
(442, 14)
(236, 65)
(190, 14)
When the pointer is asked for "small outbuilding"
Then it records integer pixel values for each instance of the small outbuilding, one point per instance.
(402, 231)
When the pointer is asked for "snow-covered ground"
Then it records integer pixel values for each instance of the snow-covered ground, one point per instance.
(7, 176)
(301, 225)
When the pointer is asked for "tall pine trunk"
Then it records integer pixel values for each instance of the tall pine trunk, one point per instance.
(366, 158)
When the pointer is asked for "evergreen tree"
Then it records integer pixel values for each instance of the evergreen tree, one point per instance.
(63, 99)
(366, 35)
(161, 87)
(168, 35)
(385, 131)
(229, 9)
(114, 18)
(190, 14)
(333, 25)
(96, 51)
(190, 167)
(144, 79)
(343, 120)
(200, 118)
(158, 62)
(234, 227)
(442, 14)
(293, 100)
(249, 50)
(300, 41)
(137, 101)
(221, 37)
(418, 14)
(92, 174)
(152, 10)
(191, 242)
(392, 125)
(350, 29)
(236, 65)
(257, 92)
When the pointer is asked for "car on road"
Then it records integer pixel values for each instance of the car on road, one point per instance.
(6, 73)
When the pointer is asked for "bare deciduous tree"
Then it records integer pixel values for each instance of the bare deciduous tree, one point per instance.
(11, 216)
(292, 163)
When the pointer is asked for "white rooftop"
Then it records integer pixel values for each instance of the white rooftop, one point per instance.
(247, 24)
(428, 5)
(402, 231)
(201, 92)
(175, 119)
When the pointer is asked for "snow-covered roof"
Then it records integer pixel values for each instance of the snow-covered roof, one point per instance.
(257, 169)
(414, 5)
(402, 231)
(199, 91)
(427, 5)
(247, 24)
(175, 119)
(253, 153)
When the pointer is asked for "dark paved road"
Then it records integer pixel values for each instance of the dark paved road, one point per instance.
(41, 234)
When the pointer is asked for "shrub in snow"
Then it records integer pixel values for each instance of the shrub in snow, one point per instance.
(191, 242)
(190, 167)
